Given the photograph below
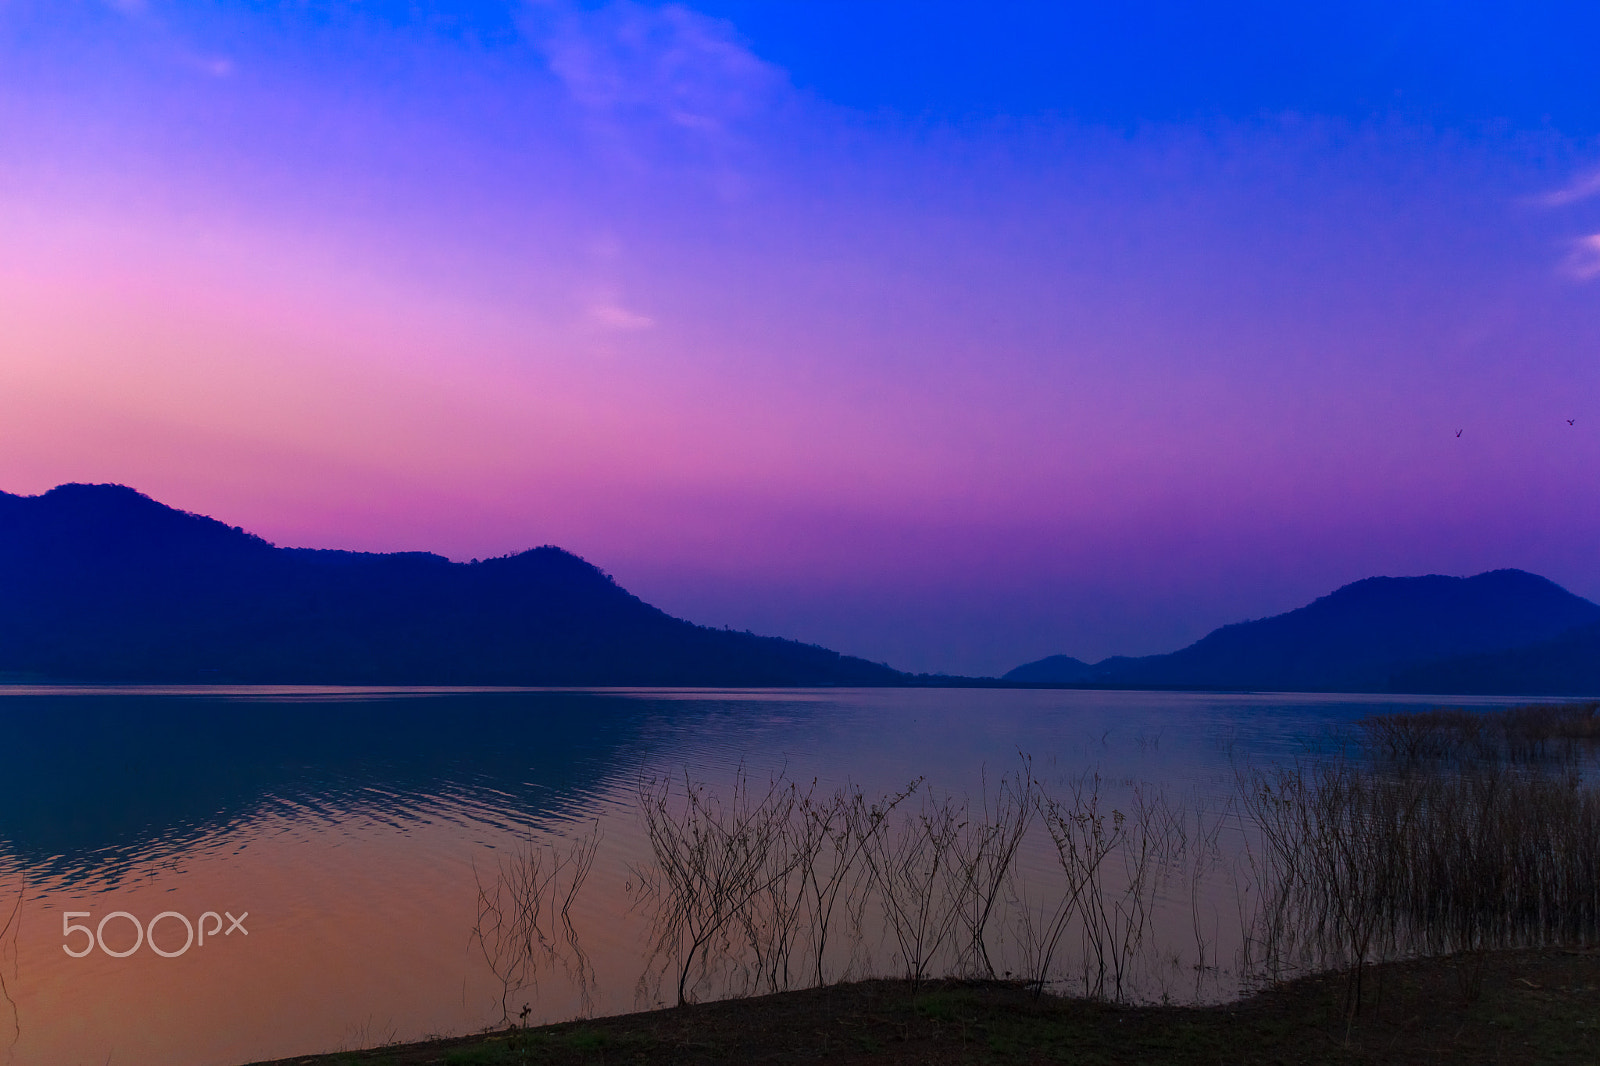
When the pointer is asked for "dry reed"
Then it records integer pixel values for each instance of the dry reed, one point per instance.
(525, 917)
(10, 931)
(1440, 832)
(1444, 832)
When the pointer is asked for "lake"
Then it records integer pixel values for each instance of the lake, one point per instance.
(333, 847)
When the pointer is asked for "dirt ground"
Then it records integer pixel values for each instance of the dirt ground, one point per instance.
(1533, 1006)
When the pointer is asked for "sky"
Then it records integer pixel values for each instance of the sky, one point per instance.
(950, 335)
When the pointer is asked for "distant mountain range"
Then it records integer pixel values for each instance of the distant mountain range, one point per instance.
(99, 582)
(102, 583)
(1506, 631)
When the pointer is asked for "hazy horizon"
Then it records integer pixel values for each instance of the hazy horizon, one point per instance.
(942, 337)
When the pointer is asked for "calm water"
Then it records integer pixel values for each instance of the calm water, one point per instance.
(348, 830)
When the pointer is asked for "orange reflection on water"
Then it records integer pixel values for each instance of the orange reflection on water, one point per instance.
(353, 939)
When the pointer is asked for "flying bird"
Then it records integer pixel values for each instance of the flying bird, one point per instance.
(1571, 421)
(1458, 433)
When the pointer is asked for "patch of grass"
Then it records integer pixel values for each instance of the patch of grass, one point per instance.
(588, 1039)
(942, 1006)
(551, 1044)
(482, 1055)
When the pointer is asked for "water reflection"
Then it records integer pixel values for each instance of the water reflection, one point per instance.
(92, 782)
(356, 827)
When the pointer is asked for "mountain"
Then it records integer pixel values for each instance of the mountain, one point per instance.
(1055, 669)
(99, 582)
(1369, 636)
(1568, 665)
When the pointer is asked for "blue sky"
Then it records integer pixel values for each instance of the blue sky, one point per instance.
(948, 335)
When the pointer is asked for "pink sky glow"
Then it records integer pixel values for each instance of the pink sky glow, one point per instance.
(953, 396)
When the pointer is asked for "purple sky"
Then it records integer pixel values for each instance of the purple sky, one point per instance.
(948, 364)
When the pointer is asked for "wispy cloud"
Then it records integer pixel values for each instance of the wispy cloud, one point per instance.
(169, 42)
(1576, 191)
(669, 64)
(1583, 261)
(610, 315)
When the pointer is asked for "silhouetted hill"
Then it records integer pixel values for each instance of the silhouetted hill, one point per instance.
(1055, 669)
(102, 582)
(1364, 637)
(1568, 665)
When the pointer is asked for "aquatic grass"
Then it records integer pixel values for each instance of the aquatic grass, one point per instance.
(781, 866)
(10, 930)
(986, 853)
(1538, 732)
(525, 916)
(712, 861)
(1077, 831)
(1448, 832)
(835, 873)
(918, 880)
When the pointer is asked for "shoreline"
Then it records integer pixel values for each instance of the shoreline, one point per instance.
(1511, 1005)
